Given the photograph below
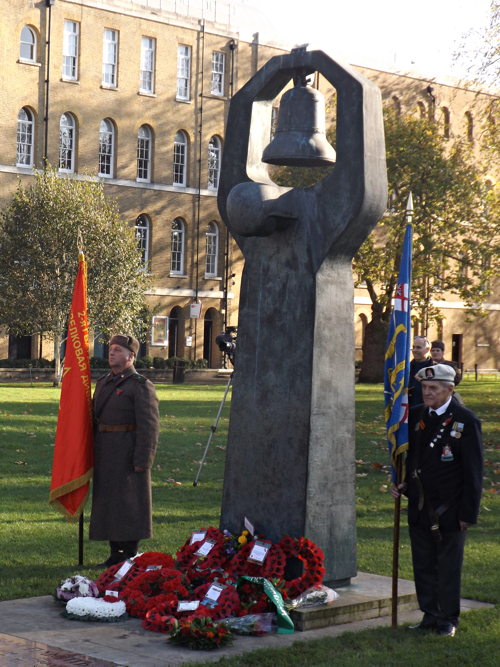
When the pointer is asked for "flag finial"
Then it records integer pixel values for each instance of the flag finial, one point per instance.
(409, 208)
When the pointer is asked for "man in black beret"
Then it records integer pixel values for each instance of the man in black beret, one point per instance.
(444, 477)
(437, 354)
(126, 428)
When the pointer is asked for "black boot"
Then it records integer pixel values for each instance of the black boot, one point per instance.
(130, 548)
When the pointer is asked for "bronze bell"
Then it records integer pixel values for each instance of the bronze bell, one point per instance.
(300, 139)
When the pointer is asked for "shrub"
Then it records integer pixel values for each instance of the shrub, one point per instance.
(97, 362)
(159, 362)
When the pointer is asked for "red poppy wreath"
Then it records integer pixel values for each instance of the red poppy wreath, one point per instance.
(312, 558)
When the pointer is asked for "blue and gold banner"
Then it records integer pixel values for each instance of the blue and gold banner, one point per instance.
(397, 359)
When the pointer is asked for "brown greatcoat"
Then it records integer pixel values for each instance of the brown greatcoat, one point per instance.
(121, 498)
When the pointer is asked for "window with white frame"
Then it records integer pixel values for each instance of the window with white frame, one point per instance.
(177, 246)
(144, 146)
(25, 138)
(212, 249)
(67, 143)
(148, 49)
(70, 50)
(27, 46)
(214, 154)
(159, 330)
(218, 63)
(180, 159)
(109, 58)
(142, 233)
(106, 148)
(183, 71)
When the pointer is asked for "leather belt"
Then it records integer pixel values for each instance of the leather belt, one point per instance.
(113, 428)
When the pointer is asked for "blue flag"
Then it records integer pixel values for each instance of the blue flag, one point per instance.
(397, 359)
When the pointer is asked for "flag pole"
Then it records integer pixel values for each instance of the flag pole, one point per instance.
(73, 450)
(395, 549)
(80, 539)
(398, 468)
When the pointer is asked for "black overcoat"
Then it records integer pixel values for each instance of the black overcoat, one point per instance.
(121, 497)
(448, 457)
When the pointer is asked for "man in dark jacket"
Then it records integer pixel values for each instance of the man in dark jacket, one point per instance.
(126, 427)
(437, 355)
(444, 472)
(421, 359)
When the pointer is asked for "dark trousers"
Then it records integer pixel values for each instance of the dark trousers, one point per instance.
(437, 567)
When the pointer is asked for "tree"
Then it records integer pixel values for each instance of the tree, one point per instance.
(41, 231)
(456, 232)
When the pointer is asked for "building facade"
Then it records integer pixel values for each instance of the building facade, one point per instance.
(136, 94)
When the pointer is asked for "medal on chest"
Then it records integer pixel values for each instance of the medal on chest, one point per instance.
(447, 454)
(456, 430)
(439, 433)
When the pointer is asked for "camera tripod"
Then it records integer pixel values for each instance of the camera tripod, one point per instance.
(213, 428)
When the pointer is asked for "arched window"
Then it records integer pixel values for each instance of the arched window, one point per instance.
(180, 159)
(445, 117)
(212, 249)
(396, 103)
(67, 143)
(469, 124)
(177, 247)
(142, 234)
(214, 154)
(144, 146)
(422, 112)
(25, 138)
(106, 148)
(27, 46)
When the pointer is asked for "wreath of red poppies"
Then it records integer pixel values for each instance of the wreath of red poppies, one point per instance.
(312, 558)
(152, 558)
(253, 599)
(228, 602)
(150, 588)
(273, 566)
(107, 579)
(203, 568)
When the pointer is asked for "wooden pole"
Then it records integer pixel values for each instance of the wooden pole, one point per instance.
(80, 540)
(395, 548)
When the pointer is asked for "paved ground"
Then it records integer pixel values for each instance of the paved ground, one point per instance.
(33, 633)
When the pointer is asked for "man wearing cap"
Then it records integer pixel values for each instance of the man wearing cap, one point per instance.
(437, 355)
(126, 427)
(421, 359)
(444, 472)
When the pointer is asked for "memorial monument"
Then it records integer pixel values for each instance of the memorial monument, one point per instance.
(290, 466)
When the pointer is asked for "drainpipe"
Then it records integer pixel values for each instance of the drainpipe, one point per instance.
(48, 5)
(200, 152)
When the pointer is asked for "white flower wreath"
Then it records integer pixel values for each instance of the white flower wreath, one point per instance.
(95, 609)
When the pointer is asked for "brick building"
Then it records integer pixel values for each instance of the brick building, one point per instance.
(137, 93)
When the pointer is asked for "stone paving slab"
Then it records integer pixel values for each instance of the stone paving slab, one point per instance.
(32, 633)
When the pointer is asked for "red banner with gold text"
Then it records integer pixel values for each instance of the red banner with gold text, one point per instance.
(73, 450)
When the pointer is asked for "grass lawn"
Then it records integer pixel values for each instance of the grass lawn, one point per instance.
(39, 548)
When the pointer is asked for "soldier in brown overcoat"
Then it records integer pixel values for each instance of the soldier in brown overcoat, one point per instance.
(126, 427)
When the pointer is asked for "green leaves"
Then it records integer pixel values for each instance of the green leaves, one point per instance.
(39, 233)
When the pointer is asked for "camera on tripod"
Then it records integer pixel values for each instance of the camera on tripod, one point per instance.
(227, 342)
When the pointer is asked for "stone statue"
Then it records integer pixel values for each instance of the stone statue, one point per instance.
(290, 466)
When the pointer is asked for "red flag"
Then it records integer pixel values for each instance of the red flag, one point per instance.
(73, 451)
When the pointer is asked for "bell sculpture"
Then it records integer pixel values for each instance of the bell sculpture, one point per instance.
(290, 460)
(300, 139)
